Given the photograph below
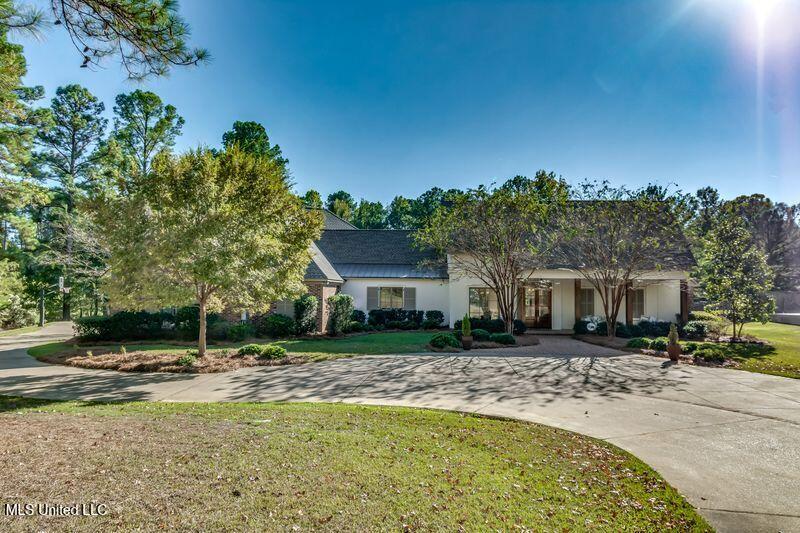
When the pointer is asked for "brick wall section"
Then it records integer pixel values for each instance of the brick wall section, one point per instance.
(322, 292)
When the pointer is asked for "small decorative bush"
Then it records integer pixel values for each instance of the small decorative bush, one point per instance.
(272, 351)
(435, 316)
(502, 338)
(492, 325)
(635, 330)
(240, 332)
(358, 316)
(122, 350)
(305, 314)
(672, 338)
(430, 324)
(443, 340)
(695, 329)
(655, 329)
(519, 327)
(466, 326)
(340, 309)
(659, 344)
(709, 355)
(277, 326)
(690, 347)
(356, 327)
(638, 342)
(480, 334)
(394, 324)
(249, 349)
(580, 327)
(188, 359)
(219, 330)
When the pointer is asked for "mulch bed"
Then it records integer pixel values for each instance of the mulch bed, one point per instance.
(522, 340)
(155, 361)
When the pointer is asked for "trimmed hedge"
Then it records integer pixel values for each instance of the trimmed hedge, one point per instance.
(240, 332)
(502, 338)
(126, 325)
(480, 334)
(276, 326)
(305, 314)
(492, 325)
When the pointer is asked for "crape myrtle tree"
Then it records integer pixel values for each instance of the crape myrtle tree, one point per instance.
(734, 274)
(614, 236)
(208, 229)
(497, 234)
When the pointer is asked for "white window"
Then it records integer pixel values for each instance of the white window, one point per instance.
(482, 303)
(392, 298)
(586, 302)
(637, 303)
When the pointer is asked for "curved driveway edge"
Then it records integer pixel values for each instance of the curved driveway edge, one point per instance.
(728, 440)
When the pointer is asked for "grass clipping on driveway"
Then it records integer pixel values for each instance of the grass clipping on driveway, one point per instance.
(319, 466)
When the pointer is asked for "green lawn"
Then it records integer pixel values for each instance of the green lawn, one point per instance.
(277, 467)
(315, 349)
(781, 358)
(27, 329)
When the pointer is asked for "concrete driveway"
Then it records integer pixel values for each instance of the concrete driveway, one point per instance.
(728, 440)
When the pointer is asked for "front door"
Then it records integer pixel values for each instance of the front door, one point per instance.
(538, 303)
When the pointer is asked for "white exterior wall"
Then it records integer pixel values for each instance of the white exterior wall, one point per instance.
(432, 294)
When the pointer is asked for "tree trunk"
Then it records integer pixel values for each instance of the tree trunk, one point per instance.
(201, 341)
(66, 310)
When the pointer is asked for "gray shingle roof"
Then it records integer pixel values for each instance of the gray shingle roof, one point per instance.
(377, 253)
(320, 268)
(334, 222)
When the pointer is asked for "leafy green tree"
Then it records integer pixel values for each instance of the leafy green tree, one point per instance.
(423, 208)
(144, 126)
(734, 274)
(252, 137)
(341, 203)
(219, 230)
(615, 235)
(399, 214)
(148, 37)
(15, 310)
(369, 215)
(312, 199)
(497, 235)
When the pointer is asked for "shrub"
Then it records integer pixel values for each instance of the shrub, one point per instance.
(635, 330)
(519, 327)
(690, 347)
(695, 329)
(430, 324)
(249, 349)
(638, 342)
(394, 324)
(276, 326)
(187, 322)
(705, 316)
(492, 325)
(709, 355)
(655, 329)
(443, 340)
(659, 344)
(272, 351)
(466, 326)
(502, 338)
(219, 330)
(240, 332)
(358, 316)
(188, 359)
(340, 309)
(480, 334)
(355, 327)
(435, 316)
(305, 314)
(408, 324)
(383, 316)
(126, 325)
(623, 331)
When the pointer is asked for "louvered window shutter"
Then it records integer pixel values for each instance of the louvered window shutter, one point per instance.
(410, 298)
(372, 298)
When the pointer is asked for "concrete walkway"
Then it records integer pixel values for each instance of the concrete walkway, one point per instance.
(728, 440)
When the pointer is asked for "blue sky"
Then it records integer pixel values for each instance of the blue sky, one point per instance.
(394, 97)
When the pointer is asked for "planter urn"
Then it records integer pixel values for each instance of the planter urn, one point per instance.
(674, 351)
(466, 342)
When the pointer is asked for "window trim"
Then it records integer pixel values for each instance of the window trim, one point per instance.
(644, 302)
(581, 302)
(402, 296)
